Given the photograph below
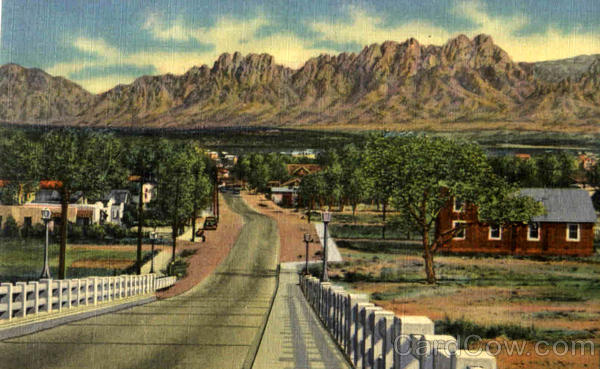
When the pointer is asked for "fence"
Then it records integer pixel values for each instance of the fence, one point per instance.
(373, 338)
(46, 295)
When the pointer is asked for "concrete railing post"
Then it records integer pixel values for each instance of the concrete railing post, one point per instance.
(364, 337)
(21, 288)
(351, 317)
(59, 293)
(405, 326)
(69, 293)
(382, 342)
(35, 286)
(46, 286)
(95, 291)
(7, 300)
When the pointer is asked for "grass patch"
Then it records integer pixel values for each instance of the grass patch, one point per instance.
(464, 328)
(23, 259)
(373, 232)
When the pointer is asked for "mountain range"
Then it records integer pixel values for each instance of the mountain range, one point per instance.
(465, 80)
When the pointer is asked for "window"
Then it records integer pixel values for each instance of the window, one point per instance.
(533, 232)
(572, 232)
(459, 205)
(495, 232)
(461, 232)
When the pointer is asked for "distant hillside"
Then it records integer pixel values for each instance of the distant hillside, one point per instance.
(573, 68)
(32, 95)
(465, 80)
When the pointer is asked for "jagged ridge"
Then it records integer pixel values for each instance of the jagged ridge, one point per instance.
(463, 80)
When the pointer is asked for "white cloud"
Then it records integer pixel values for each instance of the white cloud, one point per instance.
(367, 29)
(230, 34)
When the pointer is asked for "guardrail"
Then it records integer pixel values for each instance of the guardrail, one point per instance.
(46, 295)
(162, 283)
(373, 338)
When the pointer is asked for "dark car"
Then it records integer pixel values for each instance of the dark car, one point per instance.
(210, 223)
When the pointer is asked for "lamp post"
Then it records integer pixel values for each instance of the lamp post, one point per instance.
(153, 239)
(307, 239)
(46, 216)
(326, 219)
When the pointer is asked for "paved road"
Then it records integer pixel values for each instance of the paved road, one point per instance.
(295, 338)
(215, 325)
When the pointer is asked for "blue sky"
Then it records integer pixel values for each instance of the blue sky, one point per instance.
(100, 43)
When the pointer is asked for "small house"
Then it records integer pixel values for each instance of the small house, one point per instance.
(284, 196)
(566, 228)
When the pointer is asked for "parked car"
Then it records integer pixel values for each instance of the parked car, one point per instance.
(210, 223)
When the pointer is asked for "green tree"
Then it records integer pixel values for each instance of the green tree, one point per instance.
(82, 161)
(140, 159)
(312, 188)
(174, 202)
(356, 185)
(277, 164)
(334, 179)
(430, 172)
(22, 167)
(556, 169)
(380, 155)
(201, 187)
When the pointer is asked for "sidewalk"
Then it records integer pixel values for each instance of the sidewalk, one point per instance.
(294, 337)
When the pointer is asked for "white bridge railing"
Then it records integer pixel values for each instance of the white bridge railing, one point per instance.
(46, 295)
(375, 338)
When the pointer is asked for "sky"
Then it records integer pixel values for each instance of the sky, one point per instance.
(101, 43)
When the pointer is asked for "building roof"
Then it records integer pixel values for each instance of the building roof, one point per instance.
(47, 197)
(309, 168)
(283, 190)
(571, 205)
(119, 196)
(50, 185)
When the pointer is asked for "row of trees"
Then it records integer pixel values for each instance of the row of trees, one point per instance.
(258, 169)
(548, 170)
(418, 176)
(95, 162)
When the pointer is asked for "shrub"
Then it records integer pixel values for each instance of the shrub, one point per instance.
(96, 232)
(75, 231)
(11, 229)
(115, 231)
(38, 230)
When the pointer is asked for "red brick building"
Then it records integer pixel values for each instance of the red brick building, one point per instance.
(567, 228)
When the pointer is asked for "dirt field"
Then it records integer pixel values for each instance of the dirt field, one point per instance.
(291, 229)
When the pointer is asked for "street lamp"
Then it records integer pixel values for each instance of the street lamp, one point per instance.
(326, 219)
(153, 239)
(46, 217)
(307, 239)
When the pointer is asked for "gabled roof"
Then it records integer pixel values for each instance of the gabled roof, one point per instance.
(309, 168)
(571, 205)
(119, 196)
